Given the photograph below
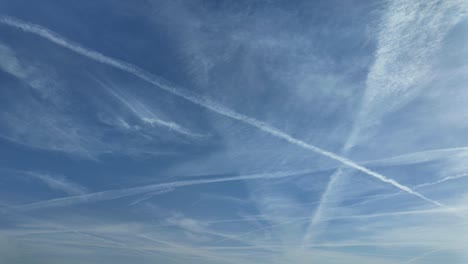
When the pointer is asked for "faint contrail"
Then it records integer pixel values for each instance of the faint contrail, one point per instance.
(422, 256)
(201, 101)
(442, 180)
(153, 188)
(148, 196)
(60, 183)
(317, 216)
(197, 252)
(438, 210)
(419, 156)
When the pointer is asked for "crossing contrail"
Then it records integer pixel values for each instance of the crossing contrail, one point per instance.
(198, 100)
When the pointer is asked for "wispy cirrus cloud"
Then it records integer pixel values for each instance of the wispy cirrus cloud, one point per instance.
(10, 63)
(409, 38)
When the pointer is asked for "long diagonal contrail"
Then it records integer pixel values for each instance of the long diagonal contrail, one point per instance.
(198, 100)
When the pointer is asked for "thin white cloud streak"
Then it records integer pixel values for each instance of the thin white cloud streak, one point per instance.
(400, 213)
(201, 101)
(200, 228)
(423, 256)
(420, 156)
(56, 182)
(60, 183)
(270, 227)
(229, 199)
(324, 200)
(120, 193)
(147, 116)
(322, 245)
(449, 178)
(362, 216)
(149, 196)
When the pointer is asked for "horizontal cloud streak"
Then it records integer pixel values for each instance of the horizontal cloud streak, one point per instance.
(60, 183)
(449, 178)
(154, 189)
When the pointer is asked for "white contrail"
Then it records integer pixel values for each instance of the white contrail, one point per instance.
(198, 252)
(256, 230)
(419, 157)
(422, 256)
(149, 196)
(60, 183)
(153, 188)
(56, 182)
(201, 101)
(322, 203)
(449, 178)
(437, 210)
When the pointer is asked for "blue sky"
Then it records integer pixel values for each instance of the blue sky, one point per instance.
(245, 132)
